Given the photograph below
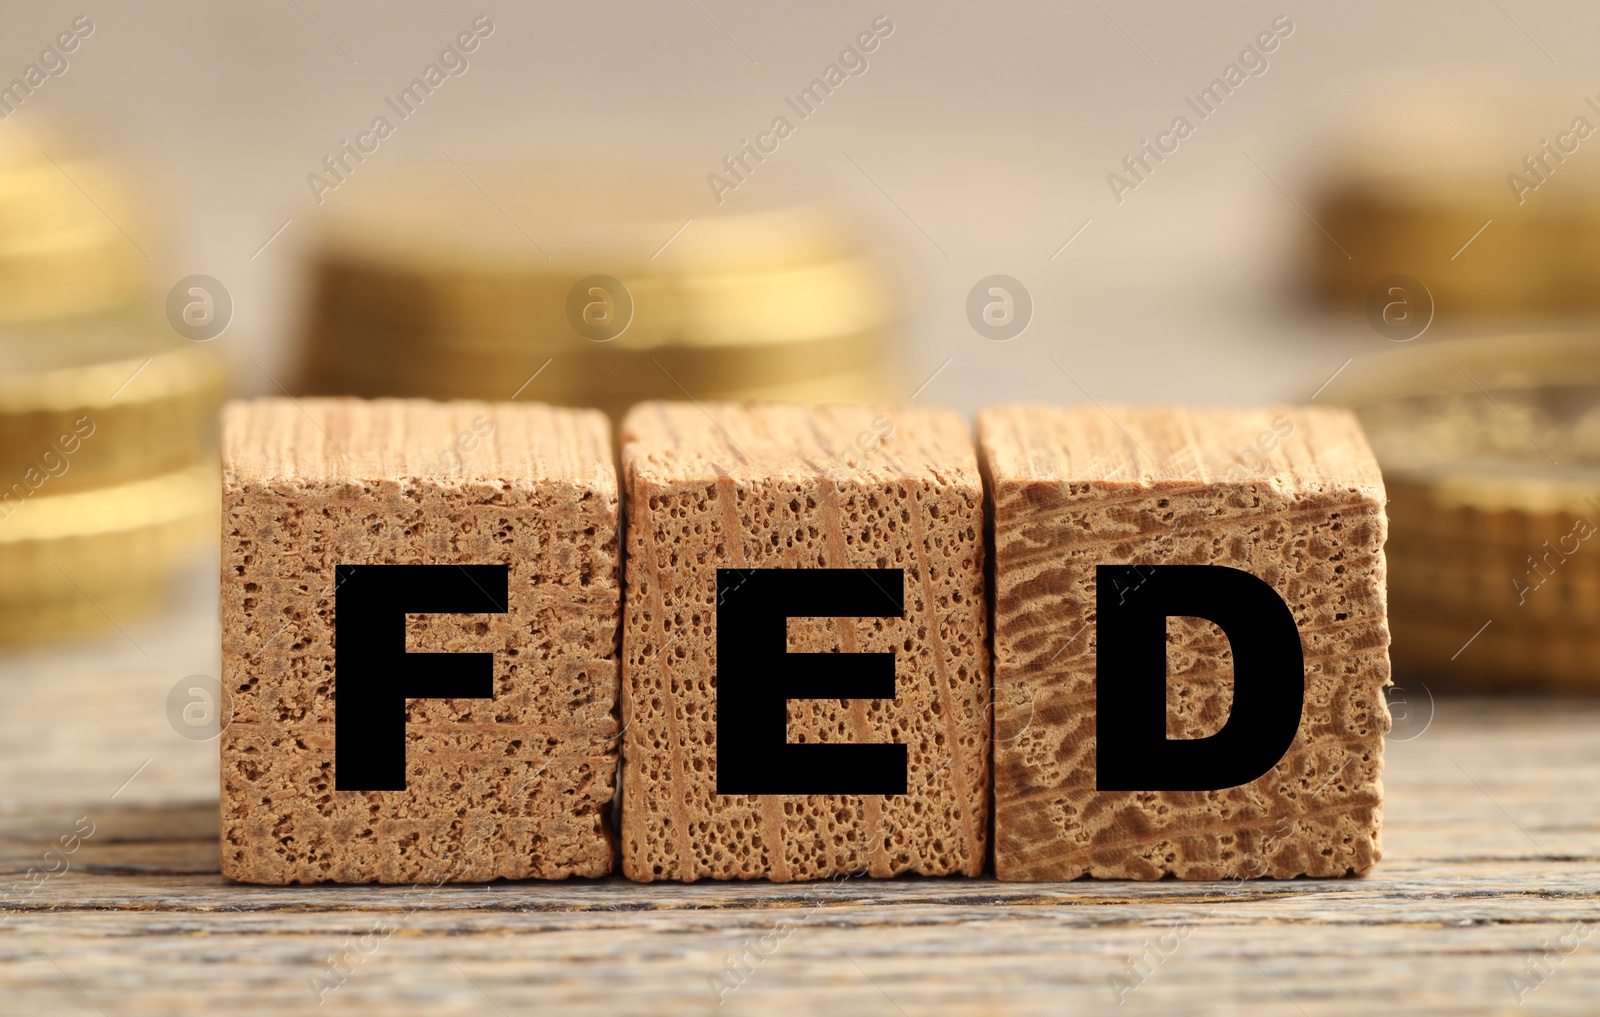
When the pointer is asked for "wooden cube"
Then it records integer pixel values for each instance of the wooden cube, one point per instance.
(755, 488)
(518, 785)
(1291, 495)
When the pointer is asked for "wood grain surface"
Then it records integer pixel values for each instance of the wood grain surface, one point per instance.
(1074, 487)
(1491, 837)
(517, 790)
(773, 486)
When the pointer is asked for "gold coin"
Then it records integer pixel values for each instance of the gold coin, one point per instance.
(78, 271)
(72, 559)
(1531, 265)
(100, 400)
(44, 198)
(1443, 178)
(581, 371)
(505, 221)
(63, 249)
(40, 621)
(1491, 457)
(778, 305)
(456, 287)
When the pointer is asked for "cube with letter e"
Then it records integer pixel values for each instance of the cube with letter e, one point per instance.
(805, 669)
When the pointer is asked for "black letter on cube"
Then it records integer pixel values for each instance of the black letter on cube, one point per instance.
(1132, 751)
(757, 676)
(374, 675)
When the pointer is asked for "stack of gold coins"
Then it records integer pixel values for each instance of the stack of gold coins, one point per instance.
(1491, 457)
(1482, 191)
(106, 462)
(588, 291)
(61, 250)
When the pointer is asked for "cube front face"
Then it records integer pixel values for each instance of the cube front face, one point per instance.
(784, 487)
(1076, 488)
(517, 786)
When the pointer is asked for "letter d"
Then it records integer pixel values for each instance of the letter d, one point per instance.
(1133, 752)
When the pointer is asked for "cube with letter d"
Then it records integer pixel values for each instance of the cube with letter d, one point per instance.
(1190, 642)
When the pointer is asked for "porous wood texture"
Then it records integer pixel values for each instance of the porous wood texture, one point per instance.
(1289, 494)
(783, 486)
(519, 786)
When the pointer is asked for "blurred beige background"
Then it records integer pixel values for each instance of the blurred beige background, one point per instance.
(978, 141)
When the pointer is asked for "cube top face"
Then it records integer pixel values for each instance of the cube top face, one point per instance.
(1307, 449)
(773, 486)
(1291, 495)
(843, 443)
(324, 443)
(516, 786)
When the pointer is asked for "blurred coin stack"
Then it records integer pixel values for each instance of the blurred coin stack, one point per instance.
(591, 290)
(1484, 191)
(1491, 456)
(59, 253)
(106, 476)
